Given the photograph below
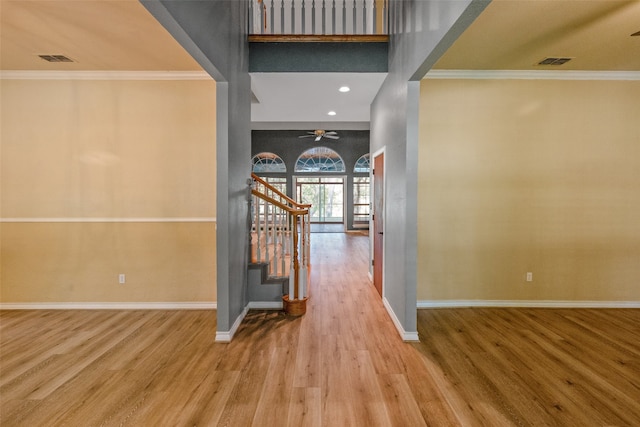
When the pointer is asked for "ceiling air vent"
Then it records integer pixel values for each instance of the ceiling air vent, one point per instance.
(55, 58)
(554, 61)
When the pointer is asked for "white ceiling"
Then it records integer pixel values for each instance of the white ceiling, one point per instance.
(302, 100)
(109, 35)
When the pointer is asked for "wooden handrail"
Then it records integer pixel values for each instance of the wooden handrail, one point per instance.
(278, 192)
(296, 212)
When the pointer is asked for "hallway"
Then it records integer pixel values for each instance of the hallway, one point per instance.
(342, 364)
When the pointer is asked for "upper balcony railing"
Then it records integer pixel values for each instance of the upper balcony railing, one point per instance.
(318, 17)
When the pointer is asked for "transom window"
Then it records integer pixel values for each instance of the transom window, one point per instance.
(268, 163)
(362, 164)
(319, 159)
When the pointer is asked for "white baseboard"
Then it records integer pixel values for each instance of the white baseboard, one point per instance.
(109, 306)
(406, 336)
(227, 336)
(527, 303)
(265, 305)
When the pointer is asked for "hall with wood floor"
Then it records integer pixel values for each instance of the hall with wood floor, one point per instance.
(341, 364)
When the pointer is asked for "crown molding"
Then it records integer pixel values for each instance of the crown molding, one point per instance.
(532, 75)
(103, 75)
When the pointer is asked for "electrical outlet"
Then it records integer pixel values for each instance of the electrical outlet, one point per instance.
(121, 279)
(529, 276)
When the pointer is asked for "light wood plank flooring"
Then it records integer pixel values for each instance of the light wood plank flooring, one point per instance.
(342, 364)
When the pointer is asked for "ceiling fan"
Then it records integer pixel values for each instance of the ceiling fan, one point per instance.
(318, 134)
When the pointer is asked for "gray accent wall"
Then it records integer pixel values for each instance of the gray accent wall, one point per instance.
(285, 143)
(420, 32)
(331, 57)
(214, 32)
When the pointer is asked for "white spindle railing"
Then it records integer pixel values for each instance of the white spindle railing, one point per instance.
(318, 17)
(280, 236)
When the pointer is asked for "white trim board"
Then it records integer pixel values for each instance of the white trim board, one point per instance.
(109, 306)
(406, 336)
(265, 305)
(82, 220)
(103, 75)
(227, 336)
(532, 75)
(527, 303)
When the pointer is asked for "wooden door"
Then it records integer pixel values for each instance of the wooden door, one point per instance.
(378, 220)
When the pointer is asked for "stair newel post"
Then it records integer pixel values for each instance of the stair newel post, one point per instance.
(303, 257)
(251, 219)
(275, 233)
(274, 236)
(283, 239)
(257, 205)
(293, 276)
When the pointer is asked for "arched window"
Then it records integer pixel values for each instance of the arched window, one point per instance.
(319, 159)
(362, 164)
(268, 162)
(361, 192)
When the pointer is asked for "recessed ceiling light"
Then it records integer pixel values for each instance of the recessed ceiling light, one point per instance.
(344, 89)
(331, 113)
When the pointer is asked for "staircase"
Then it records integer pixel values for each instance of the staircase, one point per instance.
(279, 270)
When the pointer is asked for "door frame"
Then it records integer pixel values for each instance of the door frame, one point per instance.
(384, 214)
(294, 179)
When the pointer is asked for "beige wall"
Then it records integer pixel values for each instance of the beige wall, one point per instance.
(120, 178)
(524, 176)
